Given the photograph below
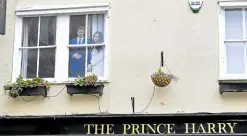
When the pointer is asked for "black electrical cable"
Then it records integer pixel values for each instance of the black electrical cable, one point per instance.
(62, 90)
(57, 93)
(46, 97)
(148, 103)
(28, 100)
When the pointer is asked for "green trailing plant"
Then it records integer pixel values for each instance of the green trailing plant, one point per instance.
(90, 80)
(14, 89)
(161, 72)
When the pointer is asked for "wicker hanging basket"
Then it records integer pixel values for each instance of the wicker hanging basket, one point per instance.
(161, 79)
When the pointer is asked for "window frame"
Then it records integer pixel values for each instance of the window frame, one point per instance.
(62, 12)
(223, 75)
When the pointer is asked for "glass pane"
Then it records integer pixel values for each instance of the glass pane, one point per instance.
(77, 29)
(77, 58)
(47, 31)
(30, 32)
(96, 28)
(29, 63)
(96, 63)
(47, 63)
(235, 58)
(234, 27)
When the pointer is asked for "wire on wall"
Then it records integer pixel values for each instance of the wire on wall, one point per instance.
(28, 100)
(46, 97)
(60, 93)
(148, 103)
(106, 111)
(98, 102)
(57, 93)
(108, 104)
(63, 89)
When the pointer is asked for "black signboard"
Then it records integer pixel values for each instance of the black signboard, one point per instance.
(131, 124)
(2, 16)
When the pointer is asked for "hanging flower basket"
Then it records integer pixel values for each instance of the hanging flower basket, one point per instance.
(162, 79)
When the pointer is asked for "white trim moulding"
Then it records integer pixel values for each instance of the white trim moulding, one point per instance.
(61, 9)
(229, 4)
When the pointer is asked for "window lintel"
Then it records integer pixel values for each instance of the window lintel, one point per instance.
(232, 4)
(60, 9)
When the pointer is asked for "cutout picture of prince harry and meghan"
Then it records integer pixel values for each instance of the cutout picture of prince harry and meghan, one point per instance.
(77, 55)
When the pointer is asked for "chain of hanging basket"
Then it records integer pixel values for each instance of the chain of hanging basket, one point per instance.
(160, 78)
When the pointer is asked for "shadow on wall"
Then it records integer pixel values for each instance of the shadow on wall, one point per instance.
(233, 96)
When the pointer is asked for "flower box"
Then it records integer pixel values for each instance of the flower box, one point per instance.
(35, 91)
(31, 87)
(72, 89)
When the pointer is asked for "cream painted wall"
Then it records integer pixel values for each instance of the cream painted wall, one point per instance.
(140, 29)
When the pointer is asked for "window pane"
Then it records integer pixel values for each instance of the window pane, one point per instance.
(77, 29)
(30, 31)
(47, 31)
(77, 58)
(29, 63)
(234, 27)
(96, 63)
(96, 28)
(235, 58)
(47, 63)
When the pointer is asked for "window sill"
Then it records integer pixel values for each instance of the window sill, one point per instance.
(70, 82)
(232, 80)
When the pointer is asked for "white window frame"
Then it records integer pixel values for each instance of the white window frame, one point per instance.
(222, 48)
(62, 36)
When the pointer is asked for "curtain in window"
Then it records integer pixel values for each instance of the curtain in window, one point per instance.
(98, 24)
(24, 51)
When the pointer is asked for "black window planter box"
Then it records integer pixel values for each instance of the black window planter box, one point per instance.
(232, 87)
(72, 89)
(34, 91)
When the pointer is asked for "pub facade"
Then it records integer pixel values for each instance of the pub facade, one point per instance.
(123, 67)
